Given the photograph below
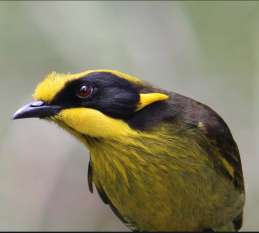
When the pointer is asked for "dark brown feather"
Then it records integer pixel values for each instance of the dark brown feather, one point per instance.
(238, 222)
(90, 177)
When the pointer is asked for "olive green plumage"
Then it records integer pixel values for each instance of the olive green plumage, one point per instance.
(162, 161)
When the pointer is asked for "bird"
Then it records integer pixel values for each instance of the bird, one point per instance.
(162, 161)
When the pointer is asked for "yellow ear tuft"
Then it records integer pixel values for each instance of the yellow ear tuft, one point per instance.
(146, 99)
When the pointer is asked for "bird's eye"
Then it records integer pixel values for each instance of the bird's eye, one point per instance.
(84, 91)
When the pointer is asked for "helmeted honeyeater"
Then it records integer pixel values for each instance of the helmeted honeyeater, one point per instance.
(162, 161)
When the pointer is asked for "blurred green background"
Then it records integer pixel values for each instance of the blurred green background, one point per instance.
(208, 51)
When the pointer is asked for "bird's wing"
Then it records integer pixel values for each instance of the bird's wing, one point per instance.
(90, 177)
(216, 131)
(229, 155)
(102, 194)
(218, 134)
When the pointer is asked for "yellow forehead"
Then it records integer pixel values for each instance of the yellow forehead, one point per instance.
(55, 82)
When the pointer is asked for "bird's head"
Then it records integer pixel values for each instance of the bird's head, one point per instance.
(93, 103)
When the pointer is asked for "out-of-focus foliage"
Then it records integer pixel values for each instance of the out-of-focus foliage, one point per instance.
(205, 50)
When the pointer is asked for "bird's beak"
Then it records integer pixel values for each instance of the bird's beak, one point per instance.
(37, 109)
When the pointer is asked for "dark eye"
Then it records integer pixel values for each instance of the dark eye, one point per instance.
(84, 91)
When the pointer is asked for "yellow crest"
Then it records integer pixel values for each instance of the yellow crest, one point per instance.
(146, 99)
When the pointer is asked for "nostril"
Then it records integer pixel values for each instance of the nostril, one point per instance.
(37, 103)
